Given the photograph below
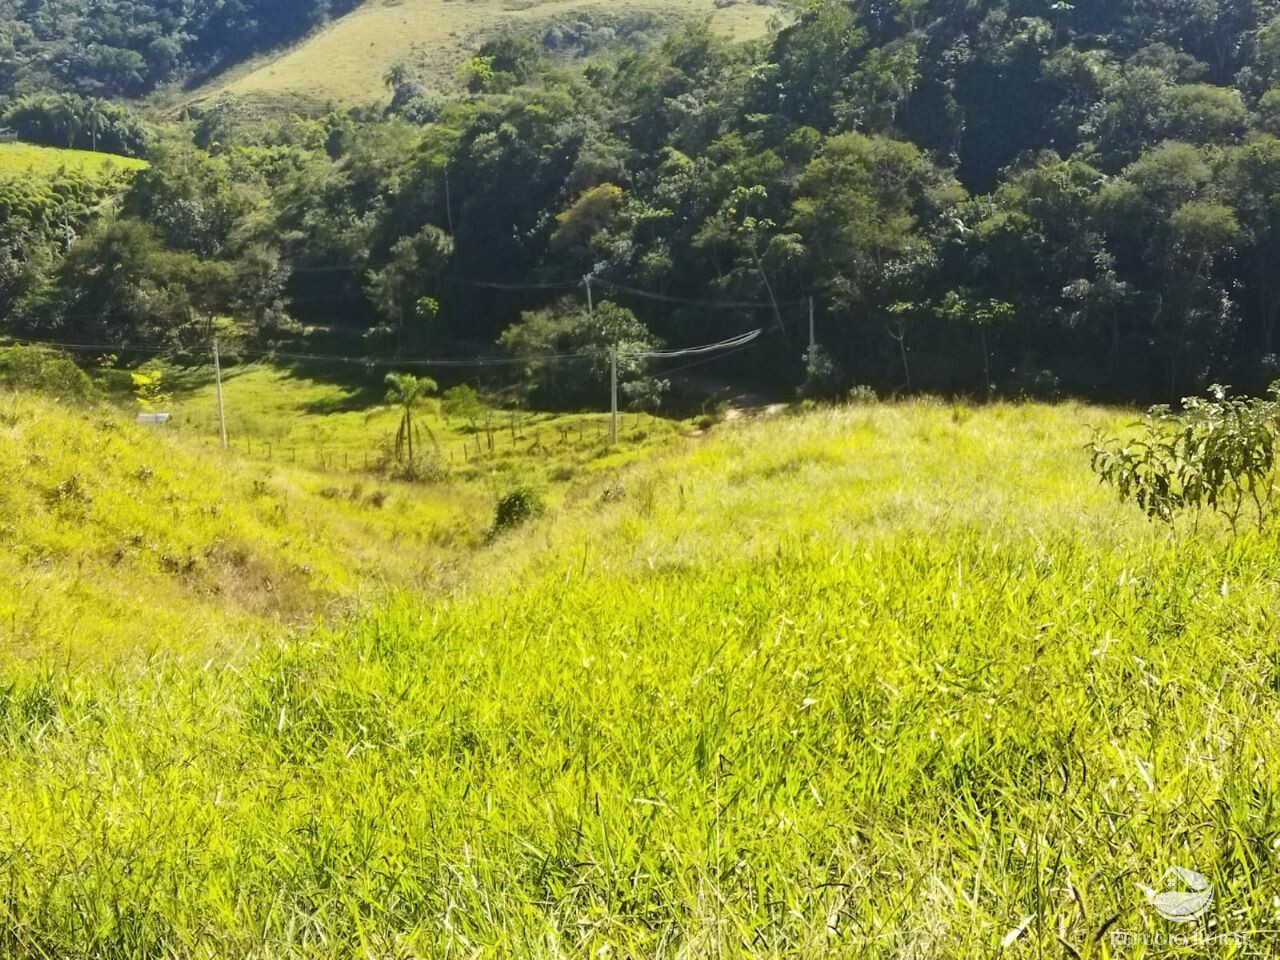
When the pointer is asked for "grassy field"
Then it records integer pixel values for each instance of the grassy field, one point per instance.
(25, 159)
(281, 416)
(119, 541)
(345, 63)
(894, 680)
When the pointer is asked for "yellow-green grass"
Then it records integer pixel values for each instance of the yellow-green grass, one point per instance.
(117, 540)
(283, 416)
(346, 62)
(25, 159)
(886, 681)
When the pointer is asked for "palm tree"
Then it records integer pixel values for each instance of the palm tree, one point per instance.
(66, 114)
(95, 116)
(398, 75)
(406, 391)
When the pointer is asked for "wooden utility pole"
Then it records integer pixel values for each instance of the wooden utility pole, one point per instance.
(217, 374)
(813, 336)
(613, 370)
(613, 395)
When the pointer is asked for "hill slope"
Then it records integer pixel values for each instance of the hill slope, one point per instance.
(120, 540)
(24, 159)
(346, 61)
(890, 681)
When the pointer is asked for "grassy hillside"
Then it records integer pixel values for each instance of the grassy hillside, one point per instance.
(891, 681)
(120, 540)
(345, 63)
(284, 416)
(24, 159)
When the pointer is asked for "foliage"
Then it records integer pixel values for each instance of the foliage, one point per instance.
(517, 507)
(595, 339)
(463, 402)
(127, 47)
(408, 392)
(71, 121)
(974, 196)
(1216, 454)
(822, 375)
(48, 371)
(148, 387)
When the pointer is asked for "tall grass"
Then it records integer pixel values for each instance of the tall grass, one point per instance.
(890, 682)
(26, 159)
(117, 539)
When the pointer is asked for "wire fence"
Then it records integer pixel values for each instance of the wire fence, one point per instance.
(485, 445)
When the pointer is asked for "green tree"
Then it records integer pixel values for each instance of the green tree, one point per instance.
(396, 290)
(860, 205)
(1251, 176)
(408, 392)
(66, 115)
(982, 316)
(1169, 228)
(95, 117)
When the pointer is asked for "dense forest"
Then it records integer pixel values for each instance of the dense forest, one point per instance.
(1010, 196)
(128, 47)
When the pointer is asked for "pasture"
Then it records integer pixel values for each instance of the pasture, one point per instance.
(25, 159)
(883, 680)
(345, 62)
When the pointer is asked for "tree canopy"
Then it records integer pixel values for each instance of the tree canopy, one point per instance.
(1002, 195)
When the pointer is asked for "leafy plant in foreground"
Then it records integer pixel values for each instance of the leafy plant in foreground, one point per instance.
(1216, 453)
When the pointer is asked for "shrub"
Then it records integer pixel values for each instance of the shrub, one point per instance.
(1217, 453)
(517, 507)
(717, 414)
(861, 395)
(1031, 382)
(822, 375)
(46, 371)
(423, 468)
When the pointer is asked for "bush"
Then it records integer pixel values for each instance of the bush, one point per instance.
(46, 371)
(1033, 383)
(1218, 454)
(516, 508)
(822, 375)
(423, 468)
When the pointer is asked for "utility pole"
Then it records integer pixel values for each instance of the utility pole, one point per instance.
(217, 374)
(613, 395)
(813, 336)
(448, 201)
(613, 370)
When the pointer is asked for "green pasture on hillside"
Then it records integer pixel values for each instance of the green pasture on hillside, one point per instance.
(25, 159)
(891, 680)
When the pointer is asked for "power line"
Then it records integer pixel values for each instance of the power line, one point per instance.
(415, 361)
(574, 284)
(698, 363)
(739, 341)
(10, 340)
(448, 278)
(692, 302)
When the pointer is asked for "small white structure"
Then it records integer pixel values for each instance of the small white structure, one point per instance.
(155, 419)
